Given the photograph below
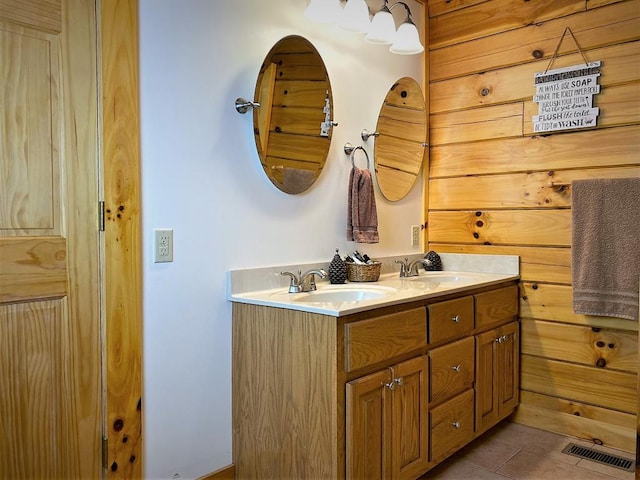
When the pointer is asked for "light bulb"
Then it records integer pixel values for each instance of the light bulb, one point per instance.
(355, 16)
(407, 40)
(383, 28)
(323, 11)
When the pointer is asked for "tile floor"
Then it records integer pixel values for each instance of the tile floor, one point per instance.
(512, 451)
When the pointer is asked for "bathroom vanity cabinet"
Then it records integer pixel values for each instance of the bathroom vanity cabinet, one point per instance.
(385, 393)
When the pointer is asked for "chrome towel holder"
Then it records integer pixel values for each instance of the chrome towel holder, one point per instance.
(351, 151)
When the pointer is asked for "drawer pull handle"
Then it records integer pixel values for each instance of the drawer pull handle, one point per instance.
(501, 339)
(456, 368)
(456, 424)
(456, 319)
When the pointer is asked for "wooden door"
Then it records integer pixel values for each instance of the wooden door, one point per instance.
(368, 422)
(50, 368)
(410, 449)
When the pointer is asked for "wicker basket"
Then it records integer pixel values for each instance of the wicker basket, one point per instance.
(365, 272)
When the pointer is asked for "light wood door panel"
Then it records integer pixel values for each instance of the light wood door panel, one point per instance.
(368, 426)
(50, 367)
(29, 120)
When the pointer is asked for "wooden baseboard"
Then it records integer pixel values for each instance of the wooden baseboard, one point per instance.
(226, 473)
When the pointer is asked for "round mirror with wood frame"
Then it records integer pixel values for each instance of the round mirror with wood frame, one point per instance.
(293, 124)
(400, 145)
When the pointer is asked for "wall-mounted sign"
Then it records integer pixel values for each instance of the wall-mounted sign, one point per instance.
(565, 98)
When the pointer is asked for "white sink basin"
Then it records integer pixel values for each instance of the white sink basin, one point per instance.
(344, 294)
(443, 277)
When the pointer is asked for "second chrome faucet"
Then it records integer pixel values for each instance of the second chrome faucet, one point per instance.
(411, 269)
(304, 282)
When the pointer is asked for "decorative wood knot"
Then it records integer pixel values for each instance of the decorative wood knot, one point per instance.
(537, 54)
(595, 329)
(132, 458)
(534, 286)
(478, 214)
(577, 414)
(114, 466)
(118, 425)
(476, 235)
(403, 94)
(597, 441)
(479, 223)
(484, 92)
(601, 363)
(612, 345)
(600, 344)
(525, 298)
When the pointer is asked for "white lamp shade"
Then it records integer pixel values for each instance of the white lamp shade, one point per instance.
(355, 16)
(324, 11)
(383, 28)
(407, 40)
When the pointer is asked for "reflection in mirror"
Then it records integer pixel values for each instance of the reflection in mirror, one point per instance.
(293, 125)
(400, 146)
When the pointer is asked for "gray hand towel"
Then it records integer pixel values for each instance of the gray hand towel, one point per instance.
(362, 215)
(606, 247)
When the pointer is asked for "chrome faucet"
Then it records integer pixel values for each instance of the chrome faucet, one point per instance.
(403, 267)
(411, 269)
(304, 282)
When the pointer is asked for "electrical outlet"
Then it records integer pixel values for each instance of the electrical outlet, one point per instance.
(415, 235)
(163, 245)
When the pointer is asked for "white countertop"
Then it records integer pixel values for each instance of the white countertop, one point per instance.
(394, 291)
(244, 286)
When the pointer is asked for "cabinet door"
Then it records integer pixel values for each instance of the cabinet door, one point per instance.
(497, 374)
(368, 426)
(508, 367)
(410, 451)
(486, 375)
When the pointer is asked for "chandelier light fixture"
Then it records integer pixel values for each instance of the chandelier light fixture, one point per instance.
(354, 16)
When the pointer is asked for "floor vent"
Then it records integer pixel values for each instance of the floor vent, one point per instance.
(600, 457)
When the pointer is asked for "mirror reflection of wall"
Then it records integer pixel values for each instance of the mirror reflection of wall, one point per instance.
(401, 144)
(293, 125)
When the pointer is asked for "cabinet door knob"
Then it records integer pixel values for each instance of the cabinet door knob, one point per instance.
(456, 319)
(455, 424)
(456, 368)
(390, 385)
(399, 381)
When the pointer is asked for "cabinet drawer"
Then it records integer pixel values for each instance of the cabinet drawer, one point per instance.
(496, 306)
(368, 342)
(452, 369)
(451, 425)
(450, 319)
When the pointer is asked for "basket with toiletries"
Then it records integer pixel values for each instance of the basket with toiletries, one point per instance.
(361, 268)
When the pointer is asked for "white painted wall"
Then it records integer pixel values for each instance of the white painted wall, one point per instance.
(201, 176)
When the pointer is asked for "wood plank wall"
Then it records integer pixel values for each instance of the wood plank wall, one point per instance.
(497, 188)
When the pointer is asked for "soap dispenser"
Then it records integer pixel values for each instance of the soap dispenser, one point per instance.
(337, 270)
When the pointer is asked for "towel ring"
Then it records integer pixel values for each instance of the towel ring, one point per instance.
(351, 151)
